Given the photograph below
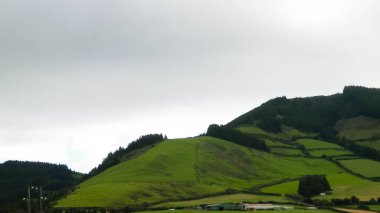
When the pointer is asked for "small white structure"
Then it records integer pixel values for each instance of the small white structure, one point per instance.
(254, 207)
(311, 208)
(264, 206)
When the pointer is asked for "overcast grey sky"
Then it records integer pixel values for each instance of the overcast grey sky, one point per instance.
(79, 78)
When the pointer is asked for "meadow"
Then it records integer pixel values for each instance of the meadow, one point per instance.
(286, 151)
(365, 167)
(359, 128)
(317, 144)
(343, 185)
(233, 198)
(329, 152)
(287, 133)
(188, 169)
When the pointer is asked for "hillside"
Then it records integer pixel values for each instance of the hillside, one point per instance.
(189, 168)
(314, 114)
(16, 176)
(263, 151)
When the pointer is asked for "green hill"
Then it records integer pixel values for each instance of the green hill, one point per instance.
(189, 168)
(265, 150)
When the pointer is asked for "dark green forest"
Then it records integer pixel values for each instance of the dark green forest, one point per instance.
(235, 136)
(314, 114)
(16, 176)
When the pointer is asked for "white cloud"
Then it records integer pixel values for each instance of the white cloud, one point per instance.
(80, 78)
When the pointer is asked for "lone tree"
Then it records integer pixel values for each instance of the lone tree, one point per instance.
(311, 185)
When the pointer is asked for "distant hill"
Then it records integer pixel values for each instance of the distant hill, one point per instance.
(16, 176)
(314, 114)
(260, 155)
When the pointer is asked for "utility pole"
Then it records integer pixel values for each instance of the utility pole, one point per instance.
(29, 209)
(40, 199)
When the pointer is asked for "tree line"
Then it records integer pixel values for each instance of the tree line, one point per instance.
(235, 136)
(115, 157)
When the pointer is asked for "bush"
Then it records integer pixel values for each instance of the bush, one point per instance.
(363, 207)
(311, 185)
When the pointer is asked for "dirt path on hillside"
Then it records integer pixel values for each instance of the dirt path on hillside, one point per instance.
(353, 210)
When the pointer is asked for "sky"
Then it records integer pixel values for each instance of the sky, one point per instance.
(80, 78)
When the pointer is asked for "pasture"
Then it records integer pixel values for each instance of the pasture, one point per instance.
(330, 152)
(317, 144)
(233, 198)
(365, 167)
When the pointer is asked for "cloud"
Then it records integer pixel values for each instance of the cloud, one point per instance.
(80, 78)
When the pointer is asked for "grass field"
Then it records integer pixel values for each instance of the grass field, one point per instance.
(343, 185)
(329, 152)
(365, 167)
(273, 143)
(283, 188)
(234, 198)
(189, 168)
(287, 132)
(359, 128)
(286, 151)
(317, 144)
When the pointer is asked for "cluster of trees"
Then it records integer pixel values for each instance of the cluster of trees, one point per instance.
(312, 185)
(114, 158)
(235, 136)
(362, 101)
(16, 176)
(354, 200)
(314, 114)
(270, 125)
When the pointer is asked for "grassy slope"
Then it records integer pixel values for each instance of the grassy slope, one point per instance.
(359, 128)
(343, 185)
(234, 198)
(317, 144)
(329, 152)
(365, 167)
(189, 168)
(287, 132)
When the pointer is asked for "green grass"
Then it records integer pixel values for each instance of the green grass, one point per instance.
(283, 188)
(186, 169)
(287, 132)
(365, 167)
(286, 151)
(343, 185)
(317, 144)
(359, 128)
(273, 143)
(329, 152)
(234, 198)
